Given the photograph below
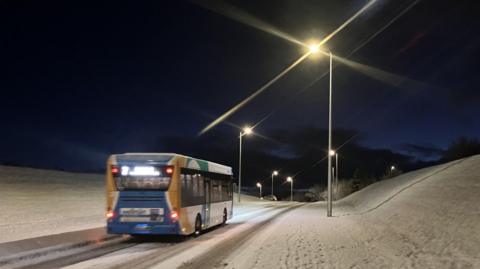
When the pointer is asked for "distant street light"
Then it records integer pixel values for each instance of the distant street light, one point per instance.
(313, 49)
(245, 131)
(274, 173)
(290, 179)
(392, 168)
(260, 186)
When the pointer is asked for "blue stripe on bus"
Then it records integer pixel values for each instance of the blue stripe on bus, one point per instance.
(142, 199)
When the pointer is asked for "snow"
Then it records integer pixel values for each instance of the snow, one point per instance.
(428, 218)
(36, 202)
(146, 252)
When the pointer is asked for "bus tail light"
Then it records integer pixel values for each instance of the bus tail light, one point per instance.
(115, 170)
(174, 216)
(110, 214)
(168, 170)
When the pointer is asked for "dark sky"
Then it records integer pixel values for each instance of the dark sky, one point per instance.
(81, 80)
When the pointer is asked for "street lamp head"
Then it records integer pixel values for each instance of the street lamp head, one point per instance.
(289, 179)
(332, 152)
(247, 130)
(275, 173)
(259, 185)
(392, 167)
(313, 48)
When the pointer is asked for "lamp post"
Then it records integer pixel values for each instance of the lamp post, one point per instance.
(290, 179)
(329, 204)
(334, 153)
(315, 48)
(246, 131)
(274, 173)
(259, 185)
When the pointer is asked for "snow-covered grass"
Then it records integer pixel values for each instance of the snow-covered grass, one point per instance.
(36, 202)
(429, 218)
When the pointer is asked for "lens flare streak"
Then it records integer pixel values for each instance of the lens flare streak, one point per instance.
(347, 22)
(255, 94)
(241, 16)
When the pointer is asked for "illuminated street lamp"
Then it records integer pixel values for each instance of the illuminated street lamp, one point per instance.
(274, 173)
(313, 49)
(259, 185)
(392, 168)
(290, 179)
(245, 131)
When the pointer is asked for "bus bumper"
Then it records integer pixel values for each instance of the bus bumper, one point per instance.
(143, 228)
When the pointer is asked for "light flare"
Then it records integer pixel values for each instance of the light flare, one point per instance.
(253, 95)
(394, 19)
(347, 22)
(389, 78)
(241, 16)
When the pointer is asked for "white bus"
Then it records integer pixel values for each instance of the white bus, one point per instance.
(166, 193)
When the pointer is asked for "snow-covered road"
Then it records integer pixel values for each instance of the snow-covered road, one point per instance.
(428, 218)
(160, 251)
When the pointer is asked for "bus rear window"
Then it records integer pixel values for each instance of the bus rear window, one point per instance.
(143, 178)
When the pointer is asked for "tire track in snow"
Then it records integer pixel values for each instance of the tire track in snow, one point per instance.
(55, 257)
(214, 258)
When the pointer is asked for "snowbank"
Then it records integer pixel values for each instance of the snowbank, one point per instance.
(36, 202)
(429, 218)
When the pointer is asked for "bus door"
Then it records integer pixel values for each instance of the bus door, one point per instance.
(208, 197)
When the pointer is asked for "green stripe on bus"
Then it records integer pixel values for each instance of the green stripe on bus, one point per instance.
(202, 165)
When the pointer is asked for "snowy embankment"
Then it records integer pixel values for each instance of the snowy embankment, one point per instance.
(36, 202)
(428, 218)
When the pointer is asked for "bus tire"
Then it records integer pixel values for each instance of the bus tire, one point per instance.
(198, 226)
(225, 216)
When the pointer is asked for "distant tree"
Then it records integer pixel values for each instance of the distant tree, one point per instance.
(360, 173)
(344, 188)
(315, 193)
(391, 172)
(461, 148)
(361, 178)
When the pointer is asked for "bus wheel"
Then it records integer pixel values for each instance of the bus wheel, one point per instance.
(225, 216)
(198, 225)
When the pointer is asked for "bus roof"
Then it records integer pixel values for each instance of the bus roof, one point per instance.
(168, 157)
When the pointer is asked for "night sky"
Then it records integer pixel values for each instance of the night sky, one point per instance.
(82, 80)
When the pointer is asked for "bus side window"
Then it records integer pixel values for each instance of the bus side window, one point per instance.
(225, 191)
(216, 194)
(198, 191)
(186, 190)
(201, 190)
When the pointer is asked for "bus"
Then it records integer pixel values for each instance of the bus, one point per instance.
(166, 193)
